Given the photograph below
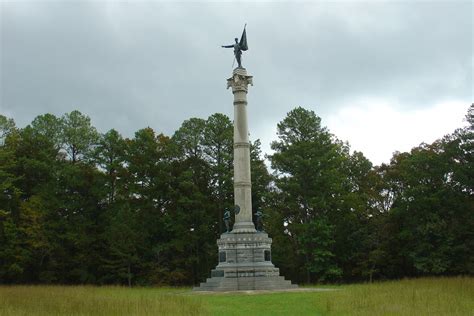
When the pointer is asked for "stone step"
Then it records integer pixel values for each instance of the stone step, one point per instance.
(247, 283)
(245, 280)
(245, 288)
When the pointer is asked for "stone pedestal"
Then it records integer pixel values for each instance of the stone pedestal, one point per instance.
(245, 264)
(244, 254)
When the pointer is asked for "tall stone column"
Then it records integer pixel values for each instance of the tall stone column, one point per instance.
(239, 83)
(245, 257)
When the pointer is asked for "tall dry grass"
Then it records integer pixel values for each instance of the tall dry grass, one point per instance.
(90, 300)
(424, 296)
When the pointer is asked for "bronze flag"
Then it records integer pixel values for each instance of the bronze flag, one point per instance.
(243, 41)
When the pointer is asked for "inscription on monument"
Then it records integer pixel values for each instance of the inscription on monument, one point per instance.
(222, 256)
(268, 256)
(217, 273)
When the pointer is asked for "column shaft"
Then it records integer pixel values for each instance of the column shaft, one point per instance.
(242, 178)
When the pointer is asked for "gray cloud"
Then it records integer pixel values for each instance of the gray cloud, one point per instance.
(132, 65)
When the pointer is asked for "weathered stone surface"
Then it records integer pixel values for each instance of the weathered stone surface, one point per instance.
(245, 267)
(239, 83)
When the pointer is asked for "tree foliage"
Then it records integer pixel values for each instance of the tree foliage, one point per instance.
(77, 206)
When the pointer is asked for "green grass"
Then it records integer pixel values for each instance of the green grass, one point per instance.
(427, 296)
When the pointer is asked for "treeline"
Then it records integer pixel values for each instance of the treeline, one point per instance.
(77, 206)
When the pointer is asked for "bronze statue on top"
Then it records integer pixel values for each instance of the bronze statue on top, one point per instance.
(239, 46)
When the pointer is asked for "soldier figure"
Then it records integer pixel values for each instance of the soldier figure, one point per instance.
(259, 221)
(227, 220)
(237, 51)
(239, 47)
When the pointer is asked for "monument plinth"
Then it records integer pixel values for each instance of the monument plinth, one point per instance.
(244, 253)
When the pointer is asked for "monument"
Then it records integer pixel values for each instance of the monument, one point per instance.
(244, 253)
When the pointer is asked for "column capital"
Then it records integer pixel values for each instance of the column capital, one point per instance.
(239, 80)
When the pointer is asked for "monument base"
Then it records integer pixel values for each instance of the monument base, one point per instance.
(245, 264)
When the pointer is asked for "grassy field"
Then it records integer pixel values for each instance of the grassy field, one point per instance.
(427, 296)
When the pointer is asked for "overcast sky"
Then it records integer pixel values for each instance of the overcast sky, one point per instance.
(382, 75)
